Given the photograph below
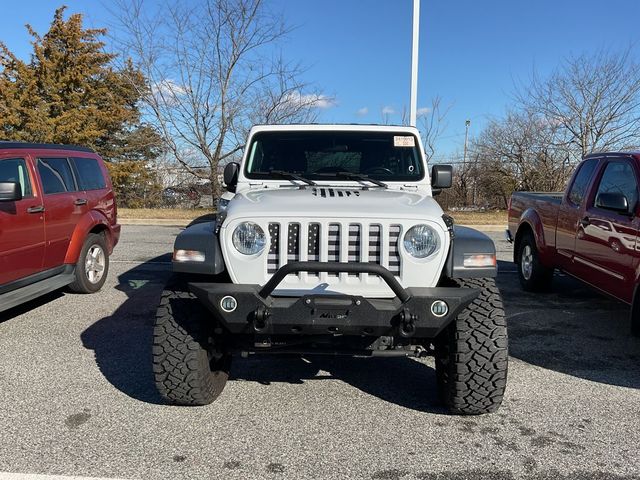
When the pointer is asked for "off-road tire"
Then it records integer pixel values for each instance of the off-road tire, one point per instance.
(82, 284)
(471, 353)
(540, 277)
(188, 368)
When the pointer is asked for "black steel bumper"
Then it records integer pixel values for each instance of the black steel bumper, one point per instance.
(410, 313)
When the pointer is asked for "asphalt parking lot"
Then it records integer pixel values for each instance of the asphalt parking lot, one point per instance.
(76, 395)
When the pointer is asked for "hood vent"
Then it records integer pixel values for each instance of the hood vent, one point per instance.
(333, 192)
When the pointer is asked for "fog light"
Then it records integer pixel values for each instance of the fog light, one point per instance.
(480, 260)
(439, 308)
(188, 256)
(228, 304)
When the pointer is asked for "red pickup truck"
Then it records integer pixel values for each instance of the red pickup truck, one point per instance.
(58, 222)
(590, 231)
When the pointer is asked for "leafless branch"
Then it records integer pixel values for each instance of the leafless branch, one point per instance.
(209, 74)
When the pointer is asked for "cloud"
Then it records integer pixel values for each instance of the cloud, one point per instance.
(167, 92)
(387, 110)
(314, 100)
(423, 111)
(361, 112)
(168, 88)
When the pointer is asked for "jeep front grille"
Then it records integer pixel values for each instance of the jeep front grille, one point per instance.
(334, 242)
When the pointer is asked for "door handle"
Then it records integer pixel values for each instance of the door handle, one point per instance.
(80, 201)
(36, 209)
(585, 222)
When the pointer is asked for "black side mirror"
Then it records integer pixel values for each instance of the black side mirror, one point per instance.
(613, 201)
(441, 176)
(231, 172)
(10, 192)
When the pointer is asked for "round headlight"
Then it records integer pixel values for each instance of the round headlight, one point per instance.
(421, 241)
(249, 238)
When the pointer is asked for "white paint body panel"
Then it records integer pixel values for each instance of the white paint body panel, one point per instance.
(283, 201)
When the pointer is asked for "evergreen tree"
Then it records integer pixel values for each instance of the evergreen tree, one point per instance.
(70, 91)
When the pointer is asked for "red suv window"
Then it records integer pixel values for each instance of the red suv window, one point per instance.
(56, 175)
(90, 176)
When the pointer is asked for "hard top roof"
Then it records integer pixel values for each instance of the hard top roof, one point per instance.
(335, 127)
(8, 145)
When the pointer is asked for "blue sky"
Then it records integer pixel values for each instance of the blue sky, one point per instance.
(471, 52)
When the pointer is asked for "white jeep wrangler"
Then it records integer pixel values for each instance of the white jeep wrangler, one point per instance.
(329, 241)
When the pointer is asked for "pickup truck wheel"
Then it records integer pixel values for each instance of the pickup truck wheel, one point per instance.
(534, 277)
(92, 266)
(188, 369)
(471, 353)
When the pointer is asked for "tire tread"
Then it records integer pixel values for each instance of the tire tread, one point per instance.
(182, 370)
(472, 353)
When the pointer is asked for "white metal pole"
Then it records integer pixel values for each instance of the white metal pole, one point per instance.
(414, 64)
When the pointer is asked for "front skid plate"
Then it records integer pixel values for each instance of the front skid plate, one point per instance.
(331, 314)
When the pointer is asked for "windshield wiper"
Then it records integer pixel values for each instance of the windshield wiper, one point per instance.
(294, 176)
(355, 176)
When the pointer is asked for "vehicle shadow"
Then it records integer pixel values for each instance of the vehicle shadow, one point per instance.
(402, 381)
(570, 329)
(30, 305)
(122, 342)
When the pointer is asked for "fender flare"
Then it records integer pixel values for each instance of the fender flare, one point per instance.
(79, 235)
(201, 237)
(531, 220)
(469, 241)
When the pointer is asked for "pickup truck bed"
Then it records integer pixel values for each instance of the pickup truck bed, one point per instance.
(590, 231)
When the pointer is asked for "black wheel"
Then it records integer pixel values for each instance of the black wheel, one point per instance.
(92, 266)
(534, 277)
(189, 369)
(471, 353)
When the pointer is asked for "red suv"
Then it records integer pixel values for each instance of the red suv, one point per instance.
(58, 222)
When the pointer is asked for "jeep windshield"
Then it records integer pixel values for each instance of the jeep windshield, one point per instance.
(328, 155)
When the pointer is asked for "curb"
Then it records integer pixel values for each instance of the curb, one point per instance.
(154, 222)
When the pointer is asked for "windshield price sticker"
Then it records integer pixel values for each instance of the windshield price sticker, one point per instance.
(404, 141)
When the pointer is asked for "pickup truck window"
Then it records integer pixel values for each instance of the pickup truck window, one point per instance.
(385, 156)
(15, 170)
(581, 182)
(56, 175)
(618, 177)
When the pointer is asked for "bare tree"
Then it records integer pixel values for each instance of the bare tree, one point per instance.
(211, 75)
(432, 124)
(522, 146)
(593, 99)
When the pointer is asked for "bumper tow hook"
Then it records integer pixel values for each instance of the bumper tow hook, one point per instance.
(260, 317)
(407, 325)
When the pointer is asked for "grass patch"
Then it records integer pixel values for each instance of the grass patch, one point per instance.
(491, 217)
(162, 213)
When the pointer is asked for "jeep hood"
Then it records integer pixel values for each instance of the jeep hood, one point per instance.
(332, 202)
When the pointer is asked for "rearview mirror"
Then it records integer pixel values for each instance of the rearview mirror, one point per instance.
(441, 176)
(231, 172)
(10, 192)
(613, 201)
